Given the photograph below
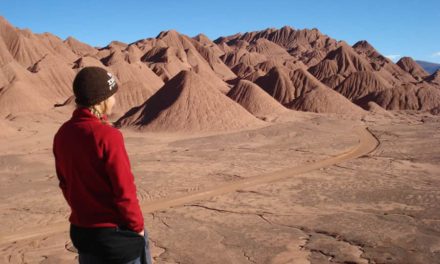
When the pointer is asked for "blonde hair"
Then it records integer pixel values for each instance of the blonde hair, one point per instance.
(96, 113)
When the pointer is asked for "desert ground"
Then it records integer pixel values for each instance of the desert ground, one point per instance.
(271, 146)
(315, 202)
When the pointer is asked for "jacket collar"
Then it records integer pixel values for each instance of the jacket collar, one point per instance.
(85, 113)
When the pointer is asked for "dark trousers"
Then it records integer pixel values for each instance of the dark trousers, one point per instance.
(97, 245)
(145, 259)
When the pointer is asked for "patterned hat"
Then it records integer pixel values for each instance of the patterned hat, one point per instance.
(93, 85)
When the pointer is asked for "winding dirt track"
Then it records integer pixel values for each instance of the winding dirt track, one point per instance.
(367, 143)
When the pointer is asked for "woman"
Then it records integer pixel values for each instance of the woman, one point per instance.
(93, 168)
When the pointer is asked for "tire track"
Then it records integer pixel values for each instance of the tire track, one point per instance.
(367, 143)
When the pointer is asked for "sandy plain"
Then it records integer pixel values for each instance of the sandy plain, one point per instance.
(332, 202)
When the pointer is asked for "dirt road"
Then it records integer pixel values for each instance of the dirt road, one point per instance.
(367, 143)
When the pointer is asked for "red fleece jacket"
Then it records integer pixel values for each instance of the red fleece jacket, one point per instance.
(94, 173)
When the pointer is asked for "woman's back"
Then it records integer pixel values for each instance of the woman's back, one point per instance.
(94, 172)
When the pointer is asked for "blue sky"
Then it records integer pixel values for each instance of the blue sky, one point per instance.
(394, 28)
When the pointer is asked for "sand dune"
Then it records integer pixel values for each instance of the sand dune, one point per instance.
(325, 100)
(254, 99)
(410, 66)
(340, 62)
(383, 66)
(361, 83)
(80, 48)
(411, 97)
(277, 83)
(143, 66)
(188, 103)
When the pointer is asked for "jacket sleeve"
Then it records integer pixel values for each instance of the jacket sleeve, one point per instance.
(117, 166)
(61, 179)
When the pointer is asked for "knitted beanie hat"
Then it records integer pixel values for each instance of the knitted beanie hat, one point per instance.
(93, 85)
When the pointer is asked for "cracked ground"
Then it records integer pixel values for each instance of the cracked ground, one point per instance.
(380, 208)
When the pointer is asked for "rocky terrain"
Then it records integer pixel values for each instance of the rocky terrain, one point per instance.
(274, 146)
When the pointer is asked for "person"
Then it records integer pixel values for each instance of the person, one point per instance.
(93, 168)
